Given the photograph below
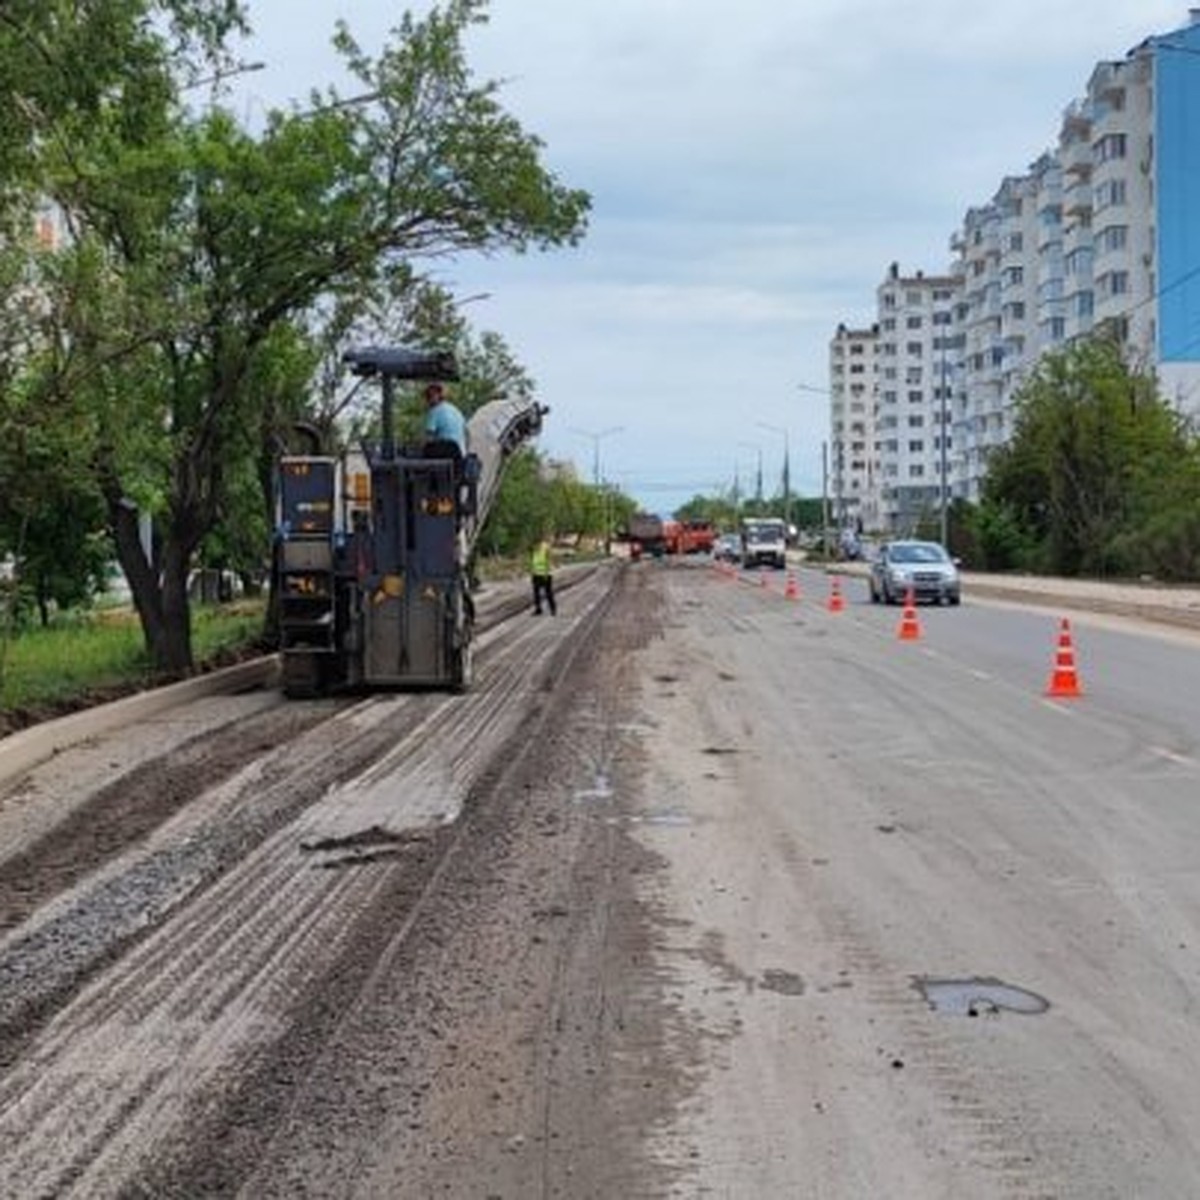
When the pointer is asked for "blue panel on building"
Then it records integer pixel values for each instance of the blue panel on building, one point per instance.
(1177, 163)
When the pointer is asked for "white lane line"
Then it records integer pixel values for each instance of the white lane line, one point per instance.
(1185, 760)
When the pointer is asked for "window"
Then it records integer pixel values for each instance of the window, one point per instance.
(916, 397)
(914, 349)
(916, 420)
(913, 298)
(1078, 262)
(1109, 147)
(1113, 237)
(913, 323)
(1115, 283)
(916, 470)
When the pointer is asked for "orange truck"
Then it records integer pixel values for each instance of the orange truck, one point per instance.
(696, 537)
(656, 535)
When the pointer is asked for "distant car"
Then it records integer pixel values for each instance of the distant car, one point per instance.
(728, 547)
(925, 567)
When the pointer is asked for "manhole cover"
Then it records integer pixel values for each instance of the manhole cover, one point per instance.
(979, 997)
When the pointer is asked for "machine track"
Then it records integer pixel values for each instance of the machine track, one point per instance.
(233, 891)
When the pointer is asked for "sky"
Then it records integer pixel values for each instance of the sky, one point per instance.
(754, 168)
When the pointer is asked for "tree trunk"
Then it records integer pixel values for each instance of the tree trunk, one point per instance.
(161, 609)
(177, 618)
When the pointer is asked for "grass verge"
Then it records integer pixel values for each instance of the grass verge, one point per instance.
(96, 655)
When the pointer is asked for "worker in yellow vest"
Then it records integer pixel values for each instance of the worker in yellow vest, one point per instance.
(540, 570)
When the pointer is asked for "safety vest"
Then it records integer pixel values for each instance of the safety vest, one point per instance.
(539, 560)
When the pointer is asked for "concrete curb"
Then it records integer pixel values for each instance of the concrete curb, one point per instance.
(25, 749)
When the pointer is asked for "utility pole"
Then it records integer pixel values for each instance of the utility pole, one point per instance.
(825, 498)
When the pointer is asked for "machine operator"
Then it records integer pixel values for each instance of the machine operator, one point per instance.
(443, 420)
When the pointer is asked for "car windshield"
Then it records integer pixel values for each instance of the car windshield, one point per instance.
(763, 535)
(920, 552)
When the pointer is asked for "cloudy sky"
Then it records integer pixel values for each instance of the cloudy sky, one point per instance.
(754, 168)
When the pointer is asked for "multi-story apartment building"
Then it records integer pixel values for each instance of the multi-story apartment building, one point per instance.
(1098, 234)
(915, 356)
(852, 381)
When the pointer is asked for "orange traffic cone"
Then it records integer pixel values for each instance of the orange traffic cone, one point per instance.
(792, 591)
(836, 603)
(909, 629)
(1064, 680)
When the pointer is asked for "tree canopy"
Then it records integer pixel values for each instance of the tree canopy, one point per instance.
(207, 267)
(1100, 477)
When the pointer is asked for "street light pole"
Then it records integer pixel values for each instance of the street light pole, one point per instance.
(945, 516)
(596, 438)
(825, 498)
(787, 483)
(606, 516)
(758, 495)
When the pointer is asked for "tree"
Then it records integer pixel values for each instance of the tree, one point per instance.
(194, 245)
(1095, 455)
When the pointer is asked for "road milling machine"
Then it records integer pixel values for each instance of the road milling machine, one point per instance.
(373, 547)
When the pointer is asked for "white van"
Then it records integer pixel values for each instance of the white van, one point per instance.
(764, 542)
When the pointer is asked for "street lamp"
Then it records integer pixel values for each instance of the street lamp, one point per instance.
(808, 387)
(229, 72)
(758, 478)
(787, 475)
(945, 515)
(596, 439)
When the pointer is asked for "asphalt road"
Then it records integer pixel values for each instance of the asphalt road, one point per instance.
(703, 890)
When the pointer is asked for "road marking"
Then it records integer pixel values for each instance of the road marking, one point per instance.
(1183, 759)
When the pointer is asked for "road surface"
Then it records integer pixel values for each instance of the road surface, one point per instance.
(703, 890)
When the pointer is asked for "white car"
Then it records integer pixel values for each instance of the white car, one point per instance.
(925, 568)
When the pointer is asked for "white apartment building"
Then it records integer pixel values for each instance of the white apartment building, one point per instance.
(1098, 234)
(852, 381)
(915, 361)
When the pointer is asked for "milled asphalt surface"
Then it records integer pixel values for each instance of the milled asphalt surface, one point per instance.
(1174, 605)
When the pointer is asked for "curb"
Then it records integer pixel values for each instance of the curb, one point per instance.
(28, 747)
